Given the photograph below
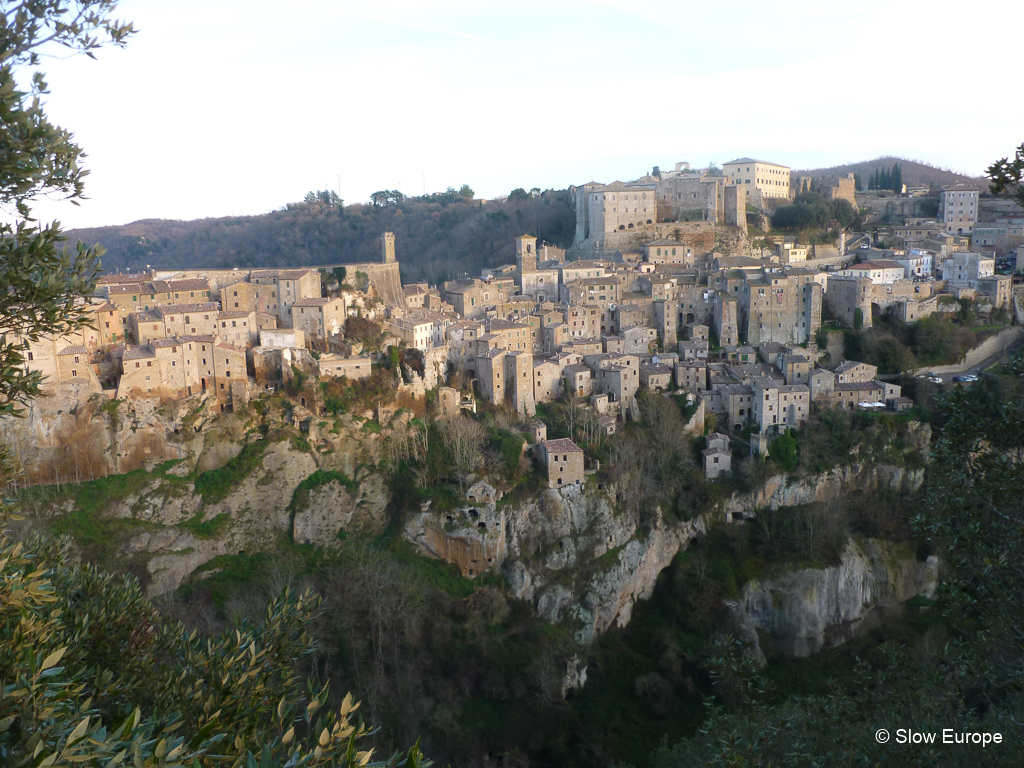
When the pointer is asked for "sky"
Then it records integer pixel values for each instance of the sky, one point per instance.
(229, 107)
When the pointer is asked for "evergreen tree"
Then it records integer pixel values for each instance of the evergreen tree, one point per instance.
(896, 178)
(857, 182)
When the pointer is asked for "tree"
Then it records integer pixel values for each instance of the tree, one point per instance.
(464, 438)
(466, 191)
(843, 212)
(1008, 176)
(896, 178)
(519, 194)
(41, 282)
(656, 172)
(782, 451)
(92, 671)
(857, 183)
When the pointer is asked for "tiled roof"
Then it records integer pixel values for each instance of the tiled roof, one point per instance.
(312, 302)
(170, 309)
(134, 352)
(116, 279)
(75, 349)
(859, 386)
(233, 313)
(191, 284)
(162, 343)
(122, 289)
(562, 445)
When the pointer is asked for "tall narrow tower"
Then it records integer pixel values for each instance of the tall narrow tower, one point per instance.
(387, 247)
(526, 253)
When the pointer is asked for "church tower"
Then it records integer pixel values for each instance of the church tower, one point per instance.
(387, 248)
(526, 253)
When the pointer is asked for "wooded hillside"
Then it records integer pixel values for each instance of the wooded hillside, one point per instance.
(437, 237)
(913, 172)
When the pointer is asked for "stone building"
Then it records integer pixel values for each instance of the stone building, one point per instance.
(759, 178)
(332, 365)
(821, 382)
(692, 375)
(238, 326)
(579, 380)
(852, 371)
(195, 319)
(472, 298)
(547, 381)
(563, 462)
(859, 393)
(417, 333)
(519, 382)
(668, 252)
(655, 377)
(958, 208)
(717, 457)
(321, 320)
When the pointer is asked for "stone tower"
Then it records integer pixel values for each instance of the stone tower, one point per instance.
(526, 253)
(387, 247)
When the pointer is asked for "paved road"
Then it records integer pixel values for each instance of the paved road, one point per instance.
(984, 364)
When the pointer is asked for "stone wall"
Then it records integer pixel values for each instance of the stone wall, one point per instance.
(991, 346)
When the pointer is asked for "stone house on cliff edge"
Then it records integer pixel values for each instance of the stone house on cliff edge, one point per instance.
(562, 459)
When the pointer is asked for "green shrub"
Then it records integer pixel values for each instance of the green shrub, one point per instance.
(216, 484)
(783, 451)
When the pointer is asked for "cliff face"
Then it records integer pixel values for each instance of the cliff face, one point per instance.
(160, 521)
(782, 491)
(568, 552)
(799, 613)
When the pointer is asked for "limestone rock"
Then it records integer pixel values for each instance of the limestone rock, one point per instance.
(805, 611)
(782, 491)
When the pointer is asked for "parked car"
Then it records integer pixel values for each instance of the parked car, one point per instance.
(960, 378)
(935, 379)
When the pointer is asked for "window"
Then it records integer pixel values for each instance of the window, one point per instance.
(149, 363)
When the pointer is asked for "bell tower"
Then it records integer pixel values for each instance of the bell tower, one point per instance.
(526, 253)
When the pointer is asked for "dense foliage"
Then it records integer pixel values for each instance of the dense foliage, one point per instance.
(91, 674)
(940, 339)
(811, 210)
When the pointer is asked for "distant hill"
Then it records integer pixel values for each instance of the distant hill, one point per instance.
(437, 237)
(914, 173)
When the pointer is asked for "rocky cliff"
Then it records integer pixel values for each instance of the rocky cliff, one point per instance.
(243, 481)
(568, 551)
(784, 491)
(804, 611)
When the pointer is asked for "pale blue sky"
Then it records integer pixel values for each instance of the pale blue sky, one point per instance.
(221, 107)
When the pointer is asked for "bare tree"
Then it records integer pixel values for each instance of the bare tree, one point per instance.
(465, 438)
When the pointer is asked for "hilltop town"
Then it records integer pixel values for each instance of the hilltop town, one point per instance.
(662, 290)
